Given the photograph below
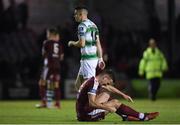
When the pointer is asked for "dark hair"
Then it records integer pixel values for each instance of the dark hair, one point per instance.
(81, 8)
(53, 31)
(109, 72)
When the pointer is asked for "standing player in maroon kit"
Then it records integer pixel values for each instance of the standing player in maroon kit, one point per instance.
(52, 53)
(94, 101)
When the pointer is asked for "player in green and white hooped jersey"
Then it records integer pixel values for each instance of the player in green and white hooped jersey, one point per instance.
(91, 51)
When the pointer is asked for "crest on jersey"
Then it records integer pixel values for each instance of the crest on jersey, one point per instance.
(81, 31)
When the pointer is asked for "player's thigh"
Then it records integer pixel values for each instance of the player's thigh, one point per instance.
(103, 97)
(79, 81)
(43, 76)
(112, 103)
(42, 82)
(50, 84)
(55, 78)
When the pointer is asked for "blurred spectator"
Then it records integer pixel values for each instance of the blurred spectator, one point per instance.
(23, 13)
(153, 64)
(11, 17)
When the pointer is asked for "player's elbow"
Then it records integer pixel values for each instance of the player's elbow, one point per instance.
(81, 44)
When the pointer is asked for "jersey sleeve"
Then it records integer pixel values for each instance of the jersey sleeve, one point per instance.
(81, 30)
(94, 87)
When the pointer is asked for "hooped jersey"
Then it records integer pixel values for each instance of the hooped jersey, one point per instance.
(88, 30)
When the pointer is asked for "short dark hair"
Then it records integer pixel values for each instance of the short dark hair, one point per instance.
(109, 72)
(53, 31)
(81, 8)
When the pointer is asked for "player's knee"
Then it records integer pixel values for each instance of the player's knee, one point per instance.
(42, 82)
(56, 85)
(115, 101)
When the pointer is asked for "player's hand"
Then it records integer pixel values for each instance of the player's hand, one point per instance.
(62, 57)
(128, 98)
(101, 63)
(70, 43)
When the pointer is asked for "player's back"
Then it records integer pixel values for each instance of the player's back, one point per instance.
(52, 51)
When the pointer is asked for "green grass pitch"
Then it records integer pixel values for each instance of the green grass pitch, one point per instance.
(24, 112)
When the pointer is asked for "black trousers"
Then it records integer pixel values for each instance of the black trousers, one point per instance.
(154, 85)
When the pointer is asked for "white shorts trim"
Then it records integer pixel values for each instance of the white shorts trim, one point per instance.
(96, 111)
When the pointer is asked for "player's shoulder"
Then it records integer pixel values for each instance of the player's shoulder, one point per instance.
(87, 22)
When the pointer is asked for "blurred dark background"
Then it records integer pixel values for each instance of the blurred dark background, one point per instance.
(125, 27)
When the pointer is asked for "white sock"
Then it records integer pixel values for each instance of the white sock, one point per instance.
(141, 115)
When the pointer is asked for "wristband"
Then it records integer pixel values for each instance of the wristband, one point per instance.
(100, 59)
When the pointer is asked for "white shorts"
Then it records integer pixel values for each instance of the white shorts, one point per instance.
(88, 68)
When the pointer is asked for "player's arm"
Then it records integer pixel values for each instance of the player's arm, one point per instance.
(61, 53)
(94, 103)
(99, 48)
(61, 58)
(81, 35)
(99, 53)
(118, 92)
(80, 43)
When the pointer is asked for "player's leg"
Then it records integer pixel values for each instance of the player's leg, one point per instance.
(94, 114)
(133, 115)
(86, 71)
(57, 93)
(42, 88)
(79, 81)
(50, 93)
(104, 98)
(126, 112)
(42, 93)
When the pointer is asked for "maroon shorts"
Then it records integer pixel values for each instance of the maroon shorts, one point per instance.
(53, 75)
(95, 117)
(90, 114)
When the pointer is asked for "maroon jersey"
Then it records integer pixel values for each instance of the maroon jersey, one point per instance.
(83, 108)
(52, 51)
